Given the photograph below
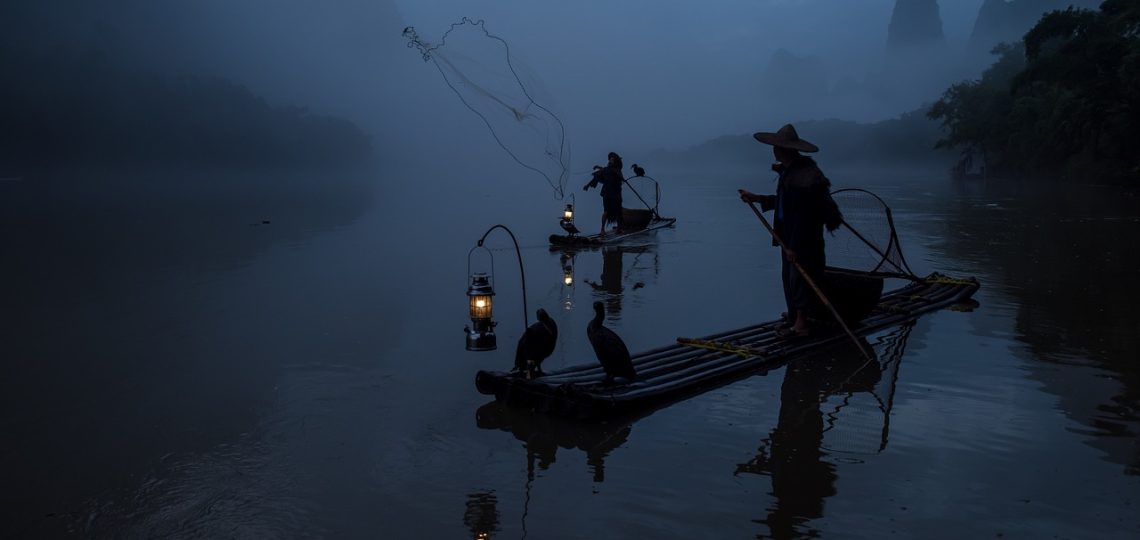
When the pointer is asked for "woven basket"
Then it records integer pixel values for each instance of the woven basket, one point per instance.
(635, 219)
(853, 294)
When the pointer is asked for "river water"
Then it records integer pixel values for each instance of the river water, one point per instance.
(275, 357)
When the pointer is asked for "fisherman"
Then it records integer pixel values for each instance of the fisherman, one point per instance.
(803, 207)
(611, 178)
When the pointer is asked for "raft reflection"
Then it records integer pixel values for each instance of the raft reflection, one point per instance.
(543, 434)
(829, 405)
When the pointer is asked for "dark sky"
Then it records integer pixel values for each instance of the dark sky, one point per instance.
(678, 72)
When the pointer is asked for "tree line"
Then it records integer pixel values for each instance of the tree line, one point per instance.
(67, 108)
(1063, 102)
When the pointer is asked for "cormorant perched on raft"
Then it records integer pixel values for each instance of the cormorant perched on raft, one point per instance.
(638, 171)
(536, 343)
(568, 226)
(610, 349)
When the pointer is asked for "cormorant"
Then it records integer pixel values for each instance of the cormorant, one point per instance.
(568, 226)
(637, 170)
(536, 343)
(609, 348)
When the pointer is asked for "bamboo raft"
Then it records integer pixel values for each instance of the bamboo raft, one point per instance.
(693, 366)
(563, 240)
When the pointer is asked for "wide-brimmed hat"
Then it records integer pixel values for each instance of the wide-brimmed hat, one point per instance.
(786, 138)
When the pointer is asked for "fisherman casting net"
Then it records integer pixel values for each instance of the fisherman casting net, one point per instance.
(479, 67)
(867, 241)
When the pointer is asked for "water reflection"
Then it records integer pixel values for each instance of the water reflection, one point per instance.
(829, 406)
(616, 279)
(143, 328)
(1058, 254)
(566, 297)
(482, 515)
(543, 434)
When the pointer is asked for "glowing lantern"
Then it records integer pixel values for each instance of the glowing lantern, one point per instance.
(480, 289)
(481, 334)
(567, 221)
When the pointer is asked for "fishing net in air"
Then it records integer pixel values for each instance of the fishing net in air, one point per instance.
(479, 67)
(867, 240)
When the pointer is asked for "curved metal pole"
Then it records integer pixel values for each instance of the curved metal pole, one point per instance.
(886, 258)
(522, 273)
(631, 188)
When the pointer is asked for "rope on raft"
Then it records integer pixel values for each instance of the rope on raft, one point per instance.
(720, 346)
(943, 280)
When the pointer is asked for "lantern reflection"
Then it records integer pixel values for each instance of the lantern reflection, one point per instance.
(567, 262)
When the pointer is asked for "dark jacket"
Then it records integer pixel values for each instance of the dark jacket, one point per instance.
(804, 207)
(611, 179)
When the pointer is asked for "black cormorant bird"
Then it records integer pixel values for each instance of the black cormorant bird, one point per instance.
(610, 349)
(536, 343)
(637, 170)
(568, 226)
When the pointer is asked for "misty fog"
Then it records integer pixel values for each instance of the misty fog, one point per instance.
(638, 75)
(236, 239)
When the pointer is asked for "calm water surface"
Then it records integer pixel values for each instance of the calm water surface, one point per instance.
(175, 367)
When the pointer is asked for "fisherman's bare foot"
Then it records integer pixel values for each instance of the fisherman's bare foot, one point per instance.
(801, 327)
(792, 331)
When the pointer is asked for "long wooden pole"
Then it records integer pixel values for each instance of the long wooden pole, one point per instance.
(811, 282)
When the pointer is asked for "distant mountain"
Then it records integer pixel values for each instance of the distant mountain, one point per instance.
(919, 63)
(914, 24)
(906, 140)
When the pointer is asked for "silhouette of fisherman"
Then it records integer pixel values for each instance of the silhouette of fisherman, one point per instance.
(803, 207)
(611, 178)
(794, 458)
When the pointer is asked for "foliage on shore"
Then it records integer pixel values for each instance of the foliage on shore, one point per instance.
(1064, 102)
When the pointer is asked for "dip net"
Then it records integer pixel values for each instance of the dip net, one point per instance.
(867, 240)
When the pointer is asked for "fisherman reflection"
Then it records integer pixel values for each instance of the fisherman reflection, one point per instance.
(792, 457)
(481, 516)
(611, 281)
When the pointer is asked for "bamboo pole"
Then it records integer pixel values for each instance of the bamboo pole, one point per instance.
(811, 283)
